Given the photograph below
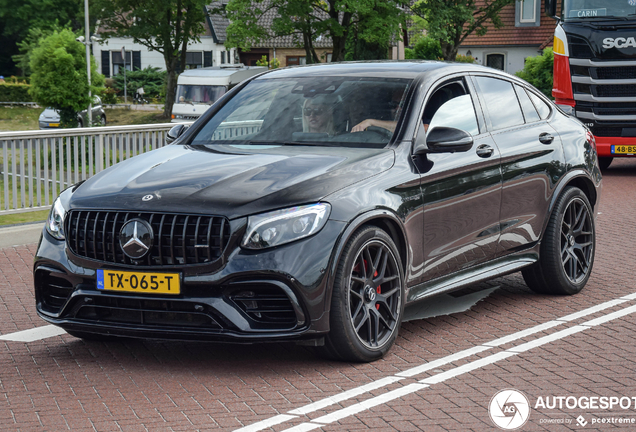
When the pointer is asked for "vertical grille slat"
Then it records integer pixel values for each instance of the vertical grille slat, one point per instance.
(174, 223)
(95, 235)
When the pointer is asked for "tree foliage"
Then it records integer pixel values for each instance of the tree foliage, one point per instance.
(452, 21)
(59, 77)
(426, 48)
(17, 18)
(538, 71)
(308, 20)
(166, 26)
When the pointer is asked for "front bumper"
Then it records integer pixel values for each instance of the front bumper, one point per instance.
(276, 294)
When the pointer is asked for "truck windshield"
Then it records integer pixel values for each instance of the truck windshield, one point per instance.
(574, 10)
(206, 94)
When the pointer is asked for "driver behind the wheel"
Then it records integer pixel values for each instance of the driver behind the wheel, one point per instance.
(318, 114)
(395, 105)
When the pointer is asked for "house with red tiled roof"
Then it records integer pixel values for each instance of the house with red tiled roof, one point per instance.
(526, 32)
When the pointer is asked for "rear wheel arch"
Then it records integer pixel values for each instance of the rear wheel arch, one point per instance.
(578, 179)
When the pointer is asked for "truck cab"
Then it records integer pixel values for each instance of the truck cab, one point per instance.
(595, 70)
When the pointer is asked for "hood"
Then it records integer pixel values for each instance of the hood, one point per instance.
(227, 180)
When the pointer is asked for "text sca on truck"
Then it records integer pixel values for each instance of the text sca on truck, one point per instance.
(595, 70)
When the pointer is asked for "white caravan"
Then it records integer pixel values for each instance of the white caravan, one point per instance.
(198, 89)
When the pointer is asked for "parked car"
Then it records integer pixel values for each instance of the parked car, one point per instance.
(314, 203)
(50, 118)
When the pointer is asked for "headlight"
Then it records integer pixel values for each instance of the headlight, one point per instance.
(284, 226)
(55, 223)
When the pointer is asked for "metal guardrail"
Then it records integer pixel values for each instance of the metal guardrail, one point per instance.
(37, 165)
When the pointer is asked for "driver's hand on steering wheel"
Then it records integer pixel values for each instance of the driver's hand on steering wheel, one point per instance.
(384, 124)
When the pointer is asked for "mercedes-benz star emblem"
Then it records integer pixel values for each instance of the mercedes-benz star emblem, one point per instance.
(135, 238)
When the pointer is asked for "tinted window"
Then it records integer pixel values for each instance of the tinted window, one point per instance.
(330, 110)
(529, 112)
(457, 113)
(501, 102)
(542, 107)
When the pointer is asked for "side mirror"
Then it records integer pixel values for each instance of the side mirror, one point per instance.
(175, 133)
(550, 8)
(446, 140)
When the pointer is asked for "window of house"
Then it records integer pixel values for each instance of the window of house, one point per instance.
(194, 60)
(223, 57)
(527, 13)
(496, 61)
(501, 102)
(296, 60)
(118, 61)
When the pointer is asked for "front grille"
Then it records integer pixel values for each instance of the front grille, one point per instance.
(623, 72)
(147, 313)
(607, 131)
(179, 239)
(627, 90)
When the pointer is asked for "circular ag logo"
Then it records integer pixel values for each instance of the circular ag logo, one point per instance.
(509, 409)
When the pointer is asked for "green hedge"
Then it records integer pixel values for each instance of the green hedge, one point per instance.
(15, 93)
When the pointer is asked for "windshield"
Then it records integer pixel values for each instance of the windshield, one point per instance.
(598, 9)
(310, 111)
(206, 94)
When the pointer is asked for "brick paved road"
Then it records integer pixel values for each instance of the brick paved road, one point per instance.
(63, 383)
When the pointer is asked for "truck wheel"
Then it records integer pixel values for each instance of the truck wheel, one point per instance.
(367, 302)
(567, 248)
(604, 162)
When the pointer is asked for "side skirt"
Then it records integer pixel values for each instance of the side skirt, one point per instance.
(493, 269)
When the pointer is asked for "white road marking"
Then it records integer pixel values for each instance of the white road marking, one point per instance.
(33, 334)
(281, 418)
(451, 373)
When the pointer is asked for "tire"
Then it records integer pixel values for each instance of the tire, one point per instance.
(604, 162)
(367, 302)
(567, 249)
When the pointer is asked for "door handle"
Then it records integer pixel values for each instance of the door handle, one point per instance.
(546, 138)
(485, 151)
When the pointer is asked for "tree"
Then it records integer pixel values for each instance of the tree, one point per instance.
(17, 18)
(166, 26)
(59, 76)
(538, 71)
(308, 20)
(451, 21)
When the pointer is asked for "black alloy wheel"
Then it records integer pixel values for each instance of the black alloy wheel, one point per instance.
(368, 298)
(567, 249)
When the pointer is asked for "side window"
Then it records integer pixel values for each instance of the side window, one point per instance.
(529, 111)
(457, 113)
(451, 106)
(501, 102)
(542, 107)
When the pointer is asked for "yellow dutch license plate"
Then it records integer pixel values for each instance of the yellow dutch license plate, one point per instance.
(623, 149)
(138, 282)
(54, 125)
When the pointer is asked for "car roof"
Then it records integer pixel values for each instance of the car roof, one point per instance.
(409, 69)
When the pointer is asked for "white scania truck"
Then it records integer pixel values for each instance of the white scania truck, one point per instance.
(198, 89)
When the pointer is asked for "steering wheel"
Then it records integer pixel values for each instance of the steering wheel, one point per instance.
(384, 133)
